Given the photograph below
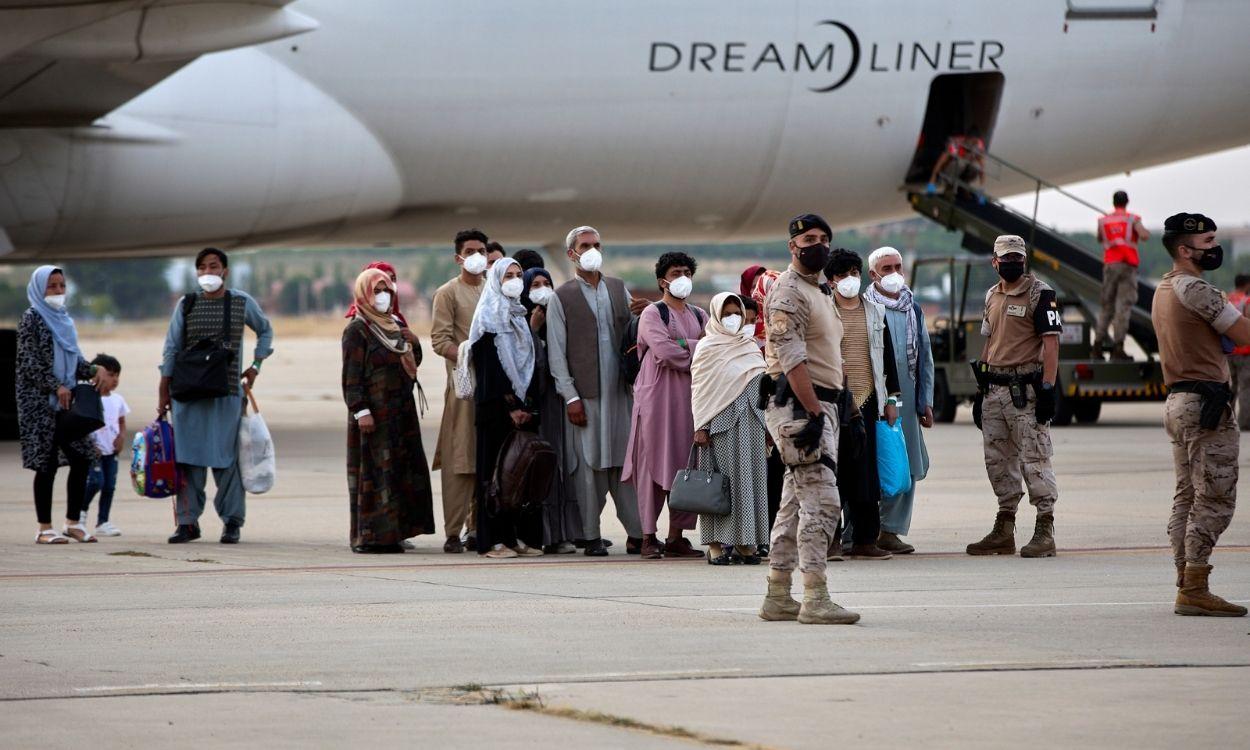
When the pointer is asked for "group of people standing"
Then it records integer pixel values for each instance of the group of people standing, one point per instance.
(628, 393)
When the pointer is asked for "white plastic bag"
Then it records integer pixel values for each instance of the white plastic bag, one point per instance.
(462, 376)
(257, 463)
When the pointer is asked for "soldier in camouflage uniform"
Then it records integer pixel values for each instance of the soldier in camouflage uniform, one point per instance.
(804, 336)
(1190, 315)
(1016, 402)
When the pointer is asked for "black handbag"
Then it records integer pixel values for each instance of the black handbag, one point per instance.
(202, 371)
(703, 492)
(84, 416)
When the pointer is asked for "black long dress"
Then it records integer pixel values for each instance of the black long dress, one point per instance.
(494, 400)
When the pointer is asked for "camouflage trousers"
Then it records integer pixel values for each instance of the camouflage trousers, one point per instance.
(810, 505)
(1017, 447)
(1239, 366)
(1206, 478)
(1119, 294)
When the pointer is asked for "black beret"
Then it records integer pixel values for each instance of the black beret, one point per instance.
(804, 223)
(1188, 224)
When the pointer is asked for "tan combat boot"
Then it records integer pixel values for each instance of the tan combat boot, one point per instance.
(818, 609)
(1043, 542)
(1001, 540)
(778, 604)
(1195, 598)
(1180, 574)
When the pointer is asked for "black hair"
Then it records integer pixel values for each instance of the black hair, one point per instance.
(495, 247)
(1241, 280)
(108, 362)
(464, 235)
(843, 261)
(1173, 240)
(528, 259)
(1120, 199)
(749, 304)
(671, 260)
(221, 256)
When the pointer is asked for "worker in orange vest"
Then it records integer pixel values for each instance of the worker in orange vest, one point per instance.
(1239, 357)
(1119, 232)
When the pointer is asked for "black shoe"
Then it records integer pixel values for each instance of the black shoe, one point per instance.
(230, 534)
(596, 548)
(584, 543)
(188, 532)
(633, 546)
(378, 549)
(453, 545)
(470, 543)
(762, 551)
(728, 557)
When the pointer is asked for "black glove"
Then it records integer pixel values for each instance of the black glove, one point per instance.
(808, 438)
(976, 408)
(1045, 410)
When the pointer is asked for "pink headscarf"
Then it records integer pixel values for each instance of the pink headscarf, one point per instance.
(389, 270)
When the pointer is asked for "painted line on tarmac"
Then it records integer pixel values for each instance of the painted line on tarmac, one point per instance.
(1020, 605)
(226, 569)
(195, 686)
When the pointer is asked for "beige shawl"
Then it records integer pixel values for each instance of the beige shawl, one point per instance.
(723, 366)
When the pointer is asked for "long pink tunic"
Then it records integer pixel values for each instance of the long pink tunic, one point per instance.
(662, 426)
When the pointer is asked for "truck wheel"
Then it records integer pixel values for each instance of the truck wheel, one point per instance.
(944, 404)
(1087, 410)
(1063, 409)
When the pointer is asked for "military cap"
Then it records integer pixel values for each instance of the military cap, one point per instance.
(1006, 244)
(806, 222)
(1188, 224)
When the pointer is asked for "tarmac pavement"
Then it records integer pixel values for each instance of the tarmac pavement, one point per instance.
(290, 640)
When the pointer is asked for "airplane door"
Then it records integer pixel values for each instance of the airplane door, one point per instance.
(959, 104)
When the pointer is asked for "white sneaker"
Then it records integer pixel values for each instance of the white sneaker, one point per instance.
(407, 544)
(107, 529)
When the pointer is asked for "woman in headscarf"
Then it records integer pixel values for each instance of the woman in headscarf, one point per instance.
(562, 518)
(389, 270)
(49, 365)
(725, 378)
(761, 284)
(388, 479)
(503, 365)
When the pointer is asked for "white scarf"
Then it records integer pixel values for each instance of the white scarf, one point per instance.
(902, 304)
(723, 366)
(505, 317)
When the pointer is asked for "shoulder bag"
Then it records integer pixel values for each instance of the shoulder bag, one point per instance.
(703, 492)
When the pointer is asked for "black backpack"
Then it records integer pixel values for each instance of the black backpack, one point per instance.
(202, 371)
(631, 363)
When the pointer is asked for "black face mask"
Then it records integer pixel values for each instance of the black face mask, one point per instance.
(1011, 270)
(814, 257)
(1212, 258)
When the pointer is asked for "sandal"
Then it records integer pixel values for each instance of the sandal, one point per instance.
(78, 533)
(51, 536)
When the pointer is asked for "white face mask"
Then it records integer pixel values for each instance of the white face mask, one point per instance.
(210, 282)
(56, 301)
(382, 302)
(541, 295)
(893, 283)
(680, 287)
(733, 323)
(849, 287)
(591, 260)
(475, 263)
(512, 288)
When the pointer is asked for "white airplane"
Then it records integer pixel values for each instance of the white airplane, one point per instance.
(150, 126)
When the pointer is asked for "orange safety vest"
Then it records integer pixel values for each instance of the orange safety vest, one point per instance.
(1119, 237)
(962, 146)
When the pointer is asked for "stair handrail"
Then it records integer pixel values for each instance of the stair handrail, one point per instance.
(1042, 183)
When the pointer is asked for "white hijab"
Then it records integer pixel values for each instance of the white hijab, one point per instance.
(503, 316)
(724, 364)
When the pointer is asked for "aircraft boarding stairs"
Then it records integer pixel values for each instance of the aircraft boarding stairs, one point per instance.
(1073, 270)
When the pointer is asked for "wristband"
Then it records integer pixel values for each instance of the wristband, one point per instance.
(256, 365)
(362, 413)
(891, 401)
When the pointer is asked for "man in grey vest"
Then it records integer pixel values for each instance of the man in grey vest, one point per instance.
(585, 322)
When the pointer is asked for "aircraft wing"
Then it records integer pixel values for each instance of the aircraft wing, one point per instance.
(68, 62)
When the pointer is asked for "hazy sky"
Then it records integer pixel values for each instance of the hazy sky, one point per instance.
(1214, 185)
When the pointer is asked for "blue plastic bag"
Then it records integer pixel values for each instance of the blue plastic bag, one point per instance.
(892, 464)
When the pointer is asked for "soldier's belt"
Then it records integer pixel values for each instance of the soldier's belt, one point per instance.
(1002, 378)
(828, 395)
(1216, 398)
